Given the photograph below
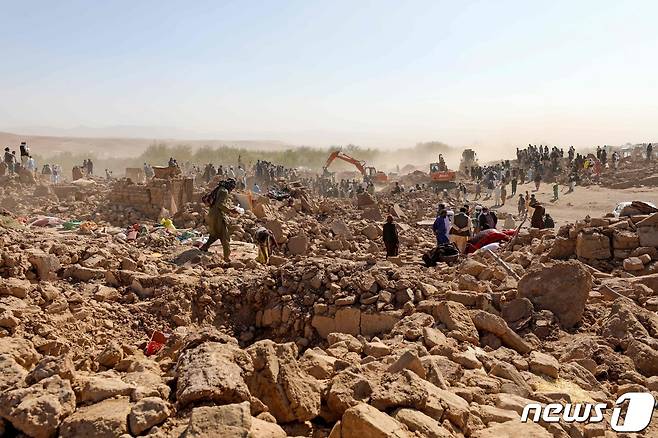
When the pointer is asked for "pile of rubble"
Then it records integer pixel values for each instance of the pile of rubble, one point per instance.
(631, 173)
(330, 339)
(613, 245)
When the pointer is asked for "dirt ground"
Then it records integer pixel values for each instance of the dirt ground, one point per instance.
(593, 200)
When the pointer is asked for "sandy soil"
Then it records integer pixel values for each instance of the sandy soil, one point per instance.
(595, 201)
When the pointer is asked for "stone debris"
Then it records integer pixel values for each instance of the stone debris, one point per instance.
(105, 336)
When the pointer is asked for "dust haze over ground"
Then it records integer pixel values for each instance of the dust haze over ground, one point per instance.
(116, 153)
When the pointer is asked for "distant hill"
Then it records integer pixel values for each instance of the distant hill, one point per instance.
(106, 147)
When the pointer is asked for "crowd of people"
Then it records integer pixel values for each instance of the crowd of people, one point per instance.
(13, 164)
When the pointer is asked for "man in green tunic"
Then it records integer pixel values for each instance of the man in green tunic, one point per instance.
(216, 218)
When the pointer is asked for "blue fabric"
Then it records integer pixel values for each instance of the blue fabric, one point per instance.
(440, 230)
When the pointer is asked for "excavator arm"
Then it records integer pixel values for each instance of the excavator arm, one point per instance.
(360, 165)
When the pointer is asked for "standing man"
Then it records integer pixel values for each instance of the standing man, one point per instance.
(440, 229)
(9, 161)
(216, 218)
(649, 152)
(25, 154)
(521, 204)
(461, 229)
(514, 184)
(390, 237)
(537, 180)
(32, 165)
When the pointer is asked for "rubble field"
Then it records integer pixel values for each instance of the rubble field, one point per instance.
(107, 335)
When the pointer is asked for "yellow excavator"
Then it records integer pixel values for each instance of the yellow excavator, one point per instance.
(369, 173)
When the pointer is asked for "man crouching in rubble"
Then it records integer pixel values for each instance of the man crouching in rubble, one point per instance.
(216, 218)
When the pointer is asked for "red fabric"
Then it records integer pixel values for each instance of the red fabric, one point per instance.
(491, 236)
(153, 347)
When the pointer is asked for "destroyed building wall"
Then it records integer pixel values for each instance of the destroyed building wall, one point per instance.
(152, 197)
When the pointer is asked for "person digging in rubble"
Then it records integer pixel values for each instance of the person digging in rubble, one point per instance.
(217, 201)
(390, 237)
(264, 239)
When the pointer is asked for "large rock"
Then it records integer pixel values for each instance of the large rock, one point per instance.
(403, 389)
(107, 419)
(542, 363)
(11, 373)
(348, 320)
(459, 323)
(265, 429)
(97, 387)
(472, 267)
(46, 265)
(366, 421)
(375, 324)
(372, 214)
(298, 245)
(647, 231)
(277, 229)
(147, 413)
(372, 231)
(648, 236)
(347, 389)
(412, 326)
(15, 287)
(644, 357)
(622, 239)
(21, 350)
(422, 424)
(213, 371)
(517, 313)
(495, 324)
(39, 409)
(593, 246)
(622, 323)
(340, 229)
(364, 199)
(80, 273)
(230, 421)
(50, 366)
(633, 264)
(278, 381)
(318, 364)
(561, 287)
(562, 248)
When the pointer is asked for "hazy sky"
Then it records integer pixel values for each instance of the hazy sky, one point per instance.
(377, 73)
